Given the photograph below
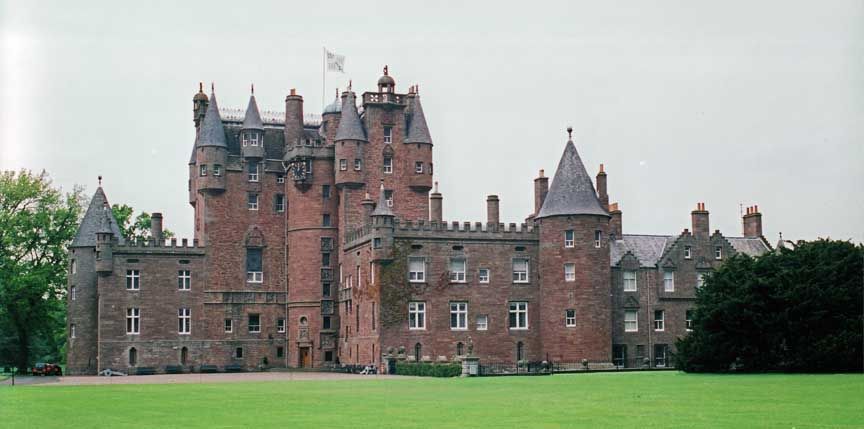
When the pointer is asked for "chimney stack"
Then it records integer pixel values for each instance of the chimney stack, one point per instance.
(602, 195)
(700, 224)
(156, 228)
(435, 201)
(752, 222)
(615, 226)
(492, 211)
(541, 188)
(293, 119)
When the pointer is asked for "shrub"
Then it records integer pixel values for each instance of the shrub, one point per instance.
(429, 369)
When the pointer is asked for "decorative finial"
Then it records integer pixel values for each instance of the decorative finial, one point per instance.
(350, 84)
(386, 71)
(200, 86)
(436, 186)
(337, 92)
(212, 87)
(781, 236)
(252, 86)
(100, 181)
(570, 133)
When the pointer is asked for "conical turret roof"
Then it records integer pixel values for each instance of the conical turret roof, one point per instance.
(571, 192)
(252, 120)
(97, 219)
(350, 125)
(382, 209)
(418, 131)
(212, 132)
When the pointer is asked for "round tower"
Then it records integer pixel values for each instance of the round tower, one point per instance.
(350, 143)
(252, 132)
(418, 144)
(574, 266)
(211, 151)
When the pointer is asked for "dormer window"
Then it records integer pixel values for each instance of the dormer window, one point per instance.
(687, 253)
(718, 253)
(388, 135)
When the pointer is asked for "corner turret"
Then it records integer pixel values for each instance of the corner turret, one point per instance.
(350, 144)
(252, 132)
(382, 228)
(212, 151)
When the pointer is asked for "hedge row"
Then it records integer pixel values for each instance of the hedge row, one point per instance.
(429, 369)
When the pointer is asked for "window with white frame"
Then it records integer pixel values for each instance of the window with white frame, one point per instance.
(570, 318)
(457, 270)
(250, 139)
(252, 201)
(631, 321)
(458, 316)
(388, 196)
(358, 164)
(343, 164)
(569, 238)
(520, 270)
(700, 280)
(202, 170)
(688, 320)
(133, 279)
(279, 203)
(388, 165)
(659, 320)
(417, 315)
(184, 279)
(483, 275)
(254, 265)
(418, 167)
(416, 270)
(184, 321)
(254, 323)
(598, 235)
(280, 325)
(569, 272)
(518, 315)
(629, 281)
(73, 293)
(687, 252)
(133, 321)
(217, 170)
(718, 253)
(482, 322)
(252, 171)
(388, 135)
(669, 281)
(280, 178)
(229, 326)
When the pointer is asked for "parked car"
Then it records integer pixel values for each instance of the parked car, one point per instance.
(46, 369)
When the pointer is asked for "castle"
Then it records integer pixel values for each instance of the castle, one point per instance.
(319, 243)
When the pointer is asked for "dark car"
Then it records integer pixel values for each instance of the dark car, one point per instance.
(46, 369)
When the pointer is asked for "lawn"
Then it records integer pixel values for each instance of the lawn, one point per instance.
(650, 399)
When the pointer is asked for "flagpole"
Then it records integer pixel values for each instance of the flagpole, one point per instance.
(323, 74)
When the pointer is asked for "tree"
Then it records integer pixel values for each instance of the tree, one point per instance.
(797, 310)
(37, 224)
(137, 228)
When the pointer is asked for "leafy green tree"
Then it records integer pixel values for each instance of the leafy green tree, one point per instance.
(137, 228)
(37, 223)
(797, 310)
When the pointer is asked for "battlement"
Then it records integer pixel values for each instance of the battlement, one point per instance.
(172, 245)
(455, 230)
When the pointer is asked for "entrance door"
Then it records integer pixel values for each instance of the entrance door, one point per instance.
(305, 358)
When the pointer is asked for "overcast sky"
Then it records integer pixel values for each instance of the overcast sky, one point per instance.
(734, 102)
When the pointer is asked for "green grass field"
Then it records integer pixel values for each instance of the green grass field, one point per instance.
(655, 399)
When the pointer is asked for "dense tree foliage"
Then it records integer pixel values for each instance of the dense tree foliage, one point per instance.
(793, 310)
(37, 223)
(137, 228)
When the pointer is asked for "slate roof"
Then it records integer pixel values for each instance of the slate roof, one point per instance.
(571, 192)
(350, 126)
(96, 220)
(252, 120)
(753, 246)
(647, 248)
(334, 107)
(212, 131)
(382, 209)
(418, 131)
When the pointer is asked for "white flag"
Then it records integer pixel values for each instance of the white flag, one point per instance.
(335, 62)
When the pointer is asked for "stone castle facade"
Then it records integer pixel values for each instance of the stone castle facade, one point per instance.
(323, 243)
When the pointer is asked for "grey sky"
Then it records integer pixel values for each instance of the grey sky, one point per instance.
(684, 101)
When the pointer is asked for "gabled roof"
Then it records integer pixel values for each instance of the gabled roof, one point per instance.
(212, 131)
(647, 248)
(418, 131)
(753, 246)
(382, 209)
(98, 218)
(252, 120)
(350, 125)
(571, 192)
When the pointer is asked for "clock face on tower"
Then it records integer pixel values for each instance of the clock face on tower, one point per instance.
(300, 170)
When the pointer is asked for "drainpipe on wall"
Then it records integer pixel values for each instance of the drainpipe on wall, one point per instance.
(650, 320)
